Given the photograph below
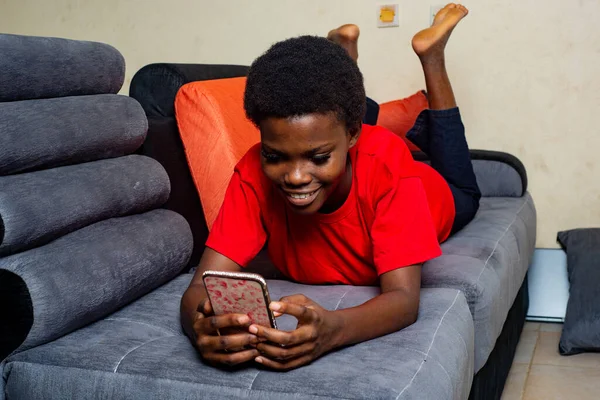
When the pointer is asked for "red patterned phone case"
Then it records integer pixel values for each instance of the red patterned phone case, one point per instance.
(239, 293)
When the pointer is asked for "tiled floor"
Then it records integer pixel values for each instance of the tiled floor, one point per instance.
(539, 372)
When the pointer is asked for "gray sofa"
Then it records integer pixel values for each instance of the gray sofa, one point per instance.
(92, 273)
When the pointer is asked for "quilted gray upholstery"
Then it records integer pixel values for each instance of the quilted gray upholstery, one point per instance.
(94, 271)
(140, 352)
(75, 130)
(40, 206)
(487, 261)
(40, 67)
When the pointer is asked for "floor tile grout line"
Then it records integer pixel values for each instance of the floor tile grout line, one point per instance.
(524, 390)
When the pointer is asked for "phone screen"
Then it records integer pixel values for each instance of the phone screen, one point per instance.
(239, 296)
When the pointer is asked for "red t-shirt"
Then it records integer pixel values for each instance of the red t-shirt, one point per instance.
(397, 213)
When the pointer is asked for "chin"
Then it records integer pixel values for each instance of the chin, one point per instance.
(311, 209)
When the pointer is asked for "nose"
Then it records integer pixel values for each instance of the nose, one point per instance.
(297, 176)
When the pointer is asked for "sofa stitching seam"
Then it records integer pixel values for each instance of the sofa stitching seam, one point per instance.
(500, 239)
(341, 298)
(135, 348)
(253, 379)
(159, 378)
(430, 345)
(141, 323)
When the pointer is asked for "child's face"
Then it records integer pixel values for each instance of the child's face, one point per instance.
(306, 158)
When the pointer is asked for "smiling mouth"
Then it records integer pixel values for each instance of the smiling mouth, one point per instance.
(301, 199)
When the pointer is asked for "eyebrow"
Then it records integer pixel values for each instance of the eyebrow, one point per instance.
(308, 153)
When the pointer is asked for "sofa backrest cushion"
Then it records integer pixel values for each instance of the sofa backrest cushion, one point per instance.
(215, 134)
(41, 67)
(46, 133)
(400, 115)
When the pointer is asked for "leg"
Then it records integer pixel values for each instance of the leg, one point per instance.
(439, 131)
(347, 37)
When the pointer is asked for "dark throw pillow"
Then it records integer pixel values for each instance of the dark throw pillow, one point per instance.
(581, 331)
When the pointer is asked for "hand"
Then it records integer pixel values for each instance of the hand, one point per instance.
(314, 336)
(231, 347)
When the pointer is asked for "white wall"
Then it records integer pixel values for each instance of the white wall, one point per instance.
(524, 71)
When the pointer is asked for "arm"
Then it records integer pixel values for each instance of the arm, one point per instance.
(395, 308)
(320, 331)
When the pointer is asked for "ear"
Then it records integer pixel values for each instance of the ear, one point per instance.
(353, 136)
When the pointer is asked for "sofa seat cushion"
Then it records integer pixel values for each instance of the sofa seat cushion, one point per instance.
(140, 352)
(488, 261)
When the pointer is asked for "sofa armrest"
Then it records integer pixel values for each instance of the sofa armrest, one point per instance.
(79, 278)
(498, 174)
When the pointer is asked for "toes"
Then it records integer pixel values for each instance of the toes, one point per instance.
(463, 9)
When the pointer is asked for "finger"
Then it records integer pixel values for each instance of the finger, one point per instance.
(277, 314)
(279, 353)
(207, 307)
(285, 365)
(295, 298)
(301, 312)
(293, 338)
(198, 316)
(231, 358)
(210, 325)
(226, 342)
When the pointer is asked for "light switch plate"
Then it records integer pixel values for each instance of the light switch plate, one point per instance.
(387, 16)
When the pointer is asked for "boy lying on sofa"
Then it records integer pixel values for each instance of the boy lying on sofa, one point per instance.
(336, 201)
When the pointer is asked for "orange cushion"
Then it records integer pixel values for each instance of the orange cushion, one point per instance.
(400, 115)
(216, 134)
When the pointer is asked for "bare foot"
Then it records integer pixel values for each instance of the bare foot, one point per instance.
(347, 37)
(431, 42)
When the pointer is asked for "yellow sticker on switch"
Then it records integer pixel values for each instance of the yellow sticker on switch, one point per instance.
(387, 15)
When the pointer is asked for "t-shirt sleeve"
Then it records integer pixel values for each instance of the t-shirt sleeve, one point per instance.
(238, 232)
(403, 232)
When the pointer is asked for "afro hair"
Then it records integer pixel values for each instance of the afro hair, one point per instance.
(305, 75)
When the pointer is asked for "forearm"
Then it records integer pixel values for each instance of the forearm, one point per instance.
(384, 314)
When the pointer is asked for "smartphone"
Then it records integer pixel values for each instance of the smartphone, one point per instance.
(239, 293)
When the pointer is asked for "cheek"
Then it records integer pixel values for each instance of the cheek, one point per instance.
(334, 170)
(272, 172)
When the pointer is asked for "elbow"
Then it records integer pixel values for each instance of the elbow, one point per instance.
(412, 316)
(412, 313)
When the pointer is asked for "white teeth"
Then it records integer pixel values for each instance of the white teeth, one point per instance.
(301, 196)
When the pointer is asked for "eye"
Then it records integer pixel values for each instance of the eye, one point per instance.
(321, 159)
(270, 157)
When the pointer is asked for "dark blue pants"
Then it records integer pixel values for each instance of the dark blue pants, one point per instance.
(441, 135)
(372, 112)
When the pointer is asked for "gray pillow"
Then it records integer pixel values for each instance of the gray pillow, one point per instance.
(581, 331)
